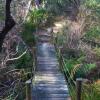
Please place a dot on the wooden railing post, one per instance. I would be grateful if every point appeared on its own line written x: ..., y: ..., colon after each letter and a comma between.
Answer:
x: 28, y: 90
x: 35, y: 61
x: 79, y: 88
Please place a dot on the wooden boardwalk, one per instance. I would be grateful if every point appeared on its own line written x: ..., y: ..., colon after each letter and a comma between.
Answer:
x: 49, y: 83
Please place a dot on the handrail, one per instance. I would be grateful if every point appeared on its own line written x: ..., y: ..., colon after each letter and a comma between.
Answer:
x: 79, y: 86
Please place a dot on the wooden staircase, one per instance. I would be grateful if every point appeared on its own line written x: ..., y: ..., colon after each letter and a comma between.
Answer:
x: 49, y: 82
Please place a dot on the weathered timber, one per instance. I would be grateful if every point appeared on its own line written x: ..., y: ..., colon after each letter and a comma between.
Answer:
x: 50, y: 83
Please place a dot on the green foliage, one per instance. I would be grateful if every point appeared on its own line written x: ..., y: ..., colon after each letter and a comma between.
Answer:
x: 82, y: 71
x: 24, y: 62
x: 27, y: 33
x: 2, y: 18
x: 97, y: 51
x: 94, y: 27
x: 93, y: 33
x: 92, y: 3
x: 34, y: 20
x: 76, y: 68
x: 90, y: 92
x: 70, y: 64
x: 2, y: 9
x: 37, y: 16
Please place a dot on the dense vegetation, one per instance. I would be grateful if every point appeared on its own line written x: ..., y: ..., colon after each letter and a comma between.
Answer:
x: 76, y: 32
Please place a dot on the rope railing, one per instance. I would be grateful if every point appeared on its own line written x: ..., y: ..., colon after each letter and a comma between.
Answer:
x: 62, y: 63
x: 77, y: 88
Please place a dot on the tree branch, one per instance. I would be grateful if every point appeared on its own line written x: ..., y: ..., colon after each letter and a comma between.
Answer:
x: 12, y: 59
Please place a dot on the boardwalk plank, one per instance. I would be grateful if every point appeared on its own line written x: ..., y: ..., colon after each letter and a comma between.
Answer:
x: 50, y: 83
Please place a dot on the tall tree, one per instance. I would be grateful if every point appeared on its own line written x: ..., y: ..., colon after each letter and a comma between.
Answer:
x: 9, y: 23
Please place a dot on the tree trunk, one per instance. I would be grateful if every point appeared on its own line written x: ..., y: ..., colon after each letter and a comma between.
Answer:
x: 9, y: 23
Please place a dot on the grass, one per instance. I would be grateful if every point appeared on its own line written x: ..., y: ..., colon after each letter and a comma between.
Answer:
x: 89, y: 92
x: 93, y: 33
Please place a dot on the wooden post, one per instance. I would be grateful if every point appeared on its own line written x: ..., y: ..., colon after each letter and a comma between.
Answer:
x: 28, y: 90
x: 34, y: 62
x: 79, y: 88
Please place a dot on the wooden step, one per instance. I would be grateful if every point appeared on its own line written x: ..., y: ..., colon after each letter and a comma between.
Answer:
x: 44, y: 35
x: 43, y: 95
x: 51, y: 85
x: 50, y: 80
x: 40, y: 90
x: 47, y: 77
x: 47, y: 69
x: 47, y: 64
x: 46, y: 58
x: 49, y: 73
x: 51, y: 98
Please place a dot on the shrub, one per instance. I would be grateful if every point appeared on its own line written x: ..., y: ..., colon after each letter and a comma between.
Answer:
x: 38, y: 16
x: 27, y: 33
